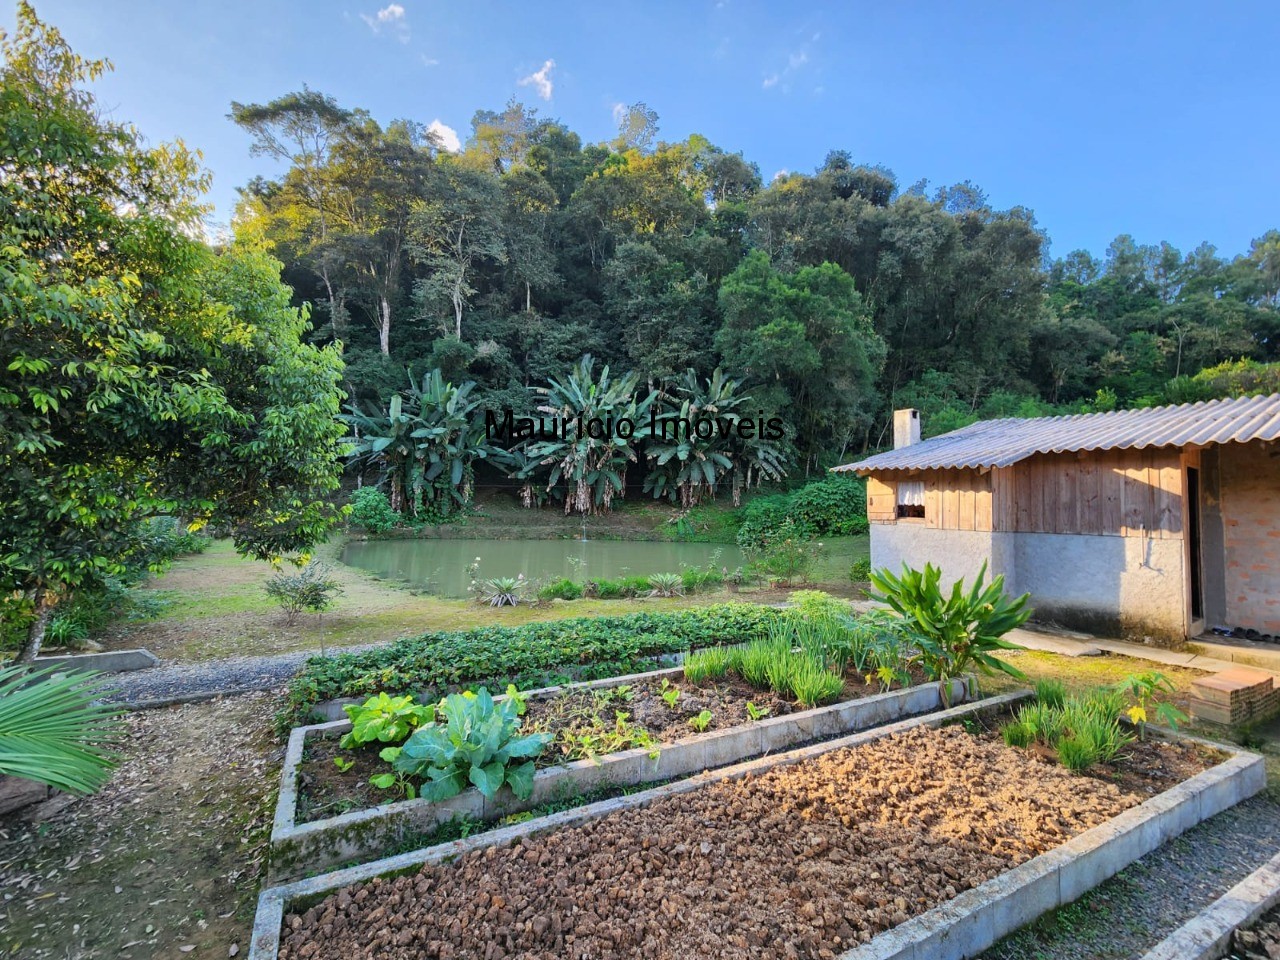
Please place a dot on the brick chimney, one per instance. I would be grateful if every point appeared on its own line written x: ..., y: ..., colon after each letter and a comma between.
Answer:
x: 906, y: 428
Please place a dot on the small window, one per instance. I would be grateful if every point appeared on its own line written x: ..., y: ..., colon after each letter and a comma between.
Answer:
x: 911, y: 499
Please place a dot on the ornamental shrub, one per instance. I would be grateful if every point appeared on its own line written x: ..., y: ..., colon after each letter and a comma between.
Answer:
x: 371, y: 510
x: 530, y: 655
x: 834, y: 506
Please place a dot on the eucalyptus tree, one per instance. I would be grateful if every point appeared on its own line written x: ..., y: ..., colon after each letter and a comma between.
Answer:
x: 303, y: 130
x: 705, y: 433
x: 453, y: 232
x: 600, y: 421
x: 425, y: 443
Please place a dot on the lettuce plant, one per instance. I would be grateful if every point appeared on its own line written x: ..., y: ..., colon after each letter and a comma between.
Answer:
x: 385, y: 719
x: 476, y: 742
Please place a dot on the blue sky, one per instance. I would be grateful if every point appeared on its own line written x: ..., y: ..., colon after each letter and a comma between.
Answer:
x: 1156, y: 119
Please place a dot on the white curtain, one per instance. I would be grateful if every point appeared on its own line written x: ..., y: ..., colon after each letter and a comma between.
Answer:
x: 911, y: 493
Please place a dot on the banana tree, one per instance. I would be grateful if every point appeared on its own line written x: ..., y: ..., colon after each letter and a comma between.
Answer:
x: 603, y: 420
x: 699, y: 441
x: 425, y: 442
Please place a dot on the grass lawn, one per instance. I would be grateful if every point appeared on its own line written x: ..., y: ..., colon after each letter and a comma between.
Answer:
x: 215, y: 607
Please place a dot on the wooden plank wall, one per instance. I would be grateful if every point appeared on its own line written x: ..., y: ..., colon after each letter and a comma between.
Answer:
x: 957, y: 500
x: 1125, y: 493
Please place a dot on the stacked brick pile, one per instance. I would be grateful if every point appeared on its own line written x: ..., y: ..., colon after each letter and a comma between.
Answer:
x: 1234, y: 696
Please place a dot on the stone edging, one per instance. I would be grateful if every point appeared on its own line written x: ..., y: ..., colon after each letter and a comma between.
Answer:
x: 1207, y: 935
x: 960, y: 927
x: 324, y: 844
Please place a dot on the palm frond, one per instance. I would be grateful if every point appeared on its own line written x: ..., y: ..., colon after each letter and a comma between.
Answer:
x: 53, y: 731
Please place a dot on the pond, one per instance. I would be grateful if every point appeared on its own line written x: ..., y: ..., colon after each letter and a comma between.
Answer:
x: 440, y: 566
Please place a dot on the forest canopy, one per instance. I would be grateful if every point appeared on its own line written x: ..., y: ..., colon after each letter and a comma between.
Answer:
x: 833, y: 297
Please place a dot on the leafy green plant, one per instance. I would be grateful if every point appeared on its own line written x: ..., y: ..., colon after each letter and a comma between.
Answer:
x: 503, y: 591
x: 562, y: 589
x: 309, y: 588
x: 54, y: 730
x: 521, y: 700
x: 371, y: 510
x: 666, y: 585
x: 66, y: 630
x: 957, y: 631
x: 343, y: 764
x: 1143, y: 688
x: 385, y: 719
x: 1017, y: 734
x: 788, y: 554
x: 757, y: 713
x: 425, y: 441
x: 401, y: 783
x: 478, y: 742
x: 860, y: 570
x: 701, y: 721
x: 670, y: 694
x: 817, y: 605
x: 711, y: 663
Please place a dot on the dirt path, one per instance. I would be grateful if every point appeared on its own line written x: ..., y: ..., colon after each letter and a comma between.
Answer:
x: 167, y: 857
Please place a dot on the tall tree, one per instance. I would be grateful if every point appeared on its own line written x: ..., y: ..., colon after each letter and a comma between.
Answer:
x: 144, y: 374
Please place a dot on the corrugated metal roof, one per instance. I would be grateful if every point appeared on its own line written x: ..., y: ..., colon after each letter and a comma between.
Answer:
x: 998, y: 443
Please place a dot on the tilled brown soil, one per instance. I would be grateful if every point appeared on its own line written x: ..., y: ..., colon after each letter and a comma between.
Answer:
x: 327, y: 791
x: 1259, y: 942
x: 801, y: 861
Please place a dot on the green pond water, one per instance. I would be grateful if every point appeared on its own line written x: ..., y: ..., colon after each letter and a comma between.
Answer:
x: 440, y: 566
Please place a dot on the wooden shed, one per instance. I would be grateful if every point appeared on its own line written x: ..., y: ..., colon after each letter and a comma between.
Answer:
x: 1152, y: 524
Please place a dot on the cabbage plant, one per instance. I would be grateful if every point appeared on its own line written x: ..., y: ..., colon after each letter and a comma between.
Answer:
x: 476, y: 741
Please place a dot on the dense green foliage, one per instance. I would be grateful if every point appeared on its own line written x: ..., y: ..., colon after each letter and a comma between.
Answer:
x: 529, y: 655
x: 384, y: 719
x: 55, y: 730
x: 371, y: 510
x: 144, y: 373
x: 832, y: 297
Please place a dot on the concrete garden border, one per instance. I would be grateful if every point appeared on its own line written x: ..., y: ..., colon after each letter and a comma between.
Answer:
x: 959, y: 928
x: 324, y: 844
x: 1207, y: 935
x: 110, y: 661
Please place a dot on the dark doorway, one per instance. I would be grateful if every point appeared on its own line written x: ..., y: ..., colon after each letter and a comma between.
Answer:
x: 1193, y: 542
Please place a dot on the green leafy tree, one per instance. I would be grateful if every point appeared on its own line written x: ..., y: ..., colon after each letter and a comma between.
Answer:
x: 143, y: 374
x: 806, y: 340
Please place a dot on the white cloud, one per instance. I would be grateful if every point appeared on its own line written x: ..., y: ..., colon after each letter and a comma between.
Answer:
x: 797, y: 60
x: 619, y: 112
x: 390, y: 18
x: 429, y: 61
x: 540, y: 80
x: 782, y: 174
x: 446, y: 135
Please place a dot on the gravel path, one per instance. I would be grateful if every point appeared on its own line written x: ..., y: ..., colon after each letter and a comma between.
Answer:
x: 171, y: 682
x: 1140, y: 906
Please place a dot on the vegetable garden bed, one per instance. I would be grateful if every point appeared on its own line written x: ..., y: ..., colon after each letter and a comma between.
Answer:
x: 367, y: 825
x: 900, y: 842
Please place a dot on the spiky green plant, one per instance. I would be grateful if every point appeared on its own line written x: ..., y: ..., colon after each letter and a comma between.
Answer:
x: 957, y: 631
x: 666, y: 585
x: 1051, y: 692
x: 54, y: 730
x: 710, y: 663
